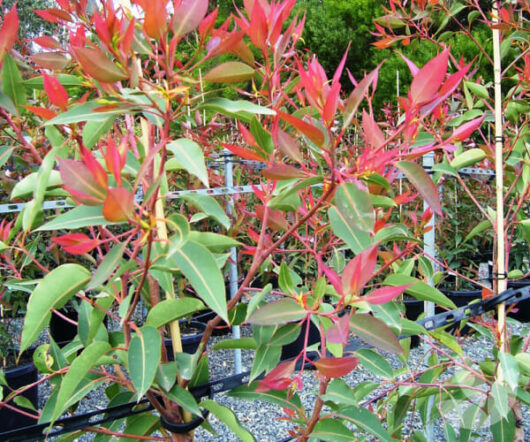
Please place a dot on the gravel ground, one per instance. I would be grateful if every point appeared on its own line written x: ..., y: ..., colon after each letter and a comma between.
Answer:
x: 264, y: 419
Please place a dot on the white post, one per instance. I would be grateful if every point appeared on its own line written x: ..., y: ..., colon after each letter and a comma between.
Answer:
x: 236, y: 331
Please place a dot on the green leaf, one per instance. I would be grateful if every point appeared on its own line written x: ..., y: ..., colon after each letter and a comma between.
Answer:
x: 375, y: 363
x: 262, y: 136
x: 53, y: 291
x: 166, y: 375
x: 355, y: 239
x: 331, y: 430
x: 339, y: 392
x: 500, y: 396
x: 184, y: 398
x: 355, y: 206
x: 199, y: 267
x: 477, y: 90
x: 76, y: 373
x: 420, y: 290
x: 23, y: 401
x: 375, y: 332
x: 282, y: 398
x: 278, y: 313
x: 362, y: 418
x: 30, y: 183
x: 467, y: 158
x: 171, y: 310
x: 502, y: 429
x: 95, y: 130
x: 140, y: 425
x: 423, y: 184
x: 243, y: 343
x: 107, y: 266
x: 265, y: 359
x: 143, y: 358
x: 84, y: 112
x: 66, y: 80
x: 229, y: 72
x: 189, y: 156
x: 214, y: 242
x: 81, y: 216
x: 479, y: 228
x: 243, y: 110
x: 7, y: 104
x: 181, y: 229
x: 510, y: 369
x: 210, y: 206
x: 12, y: 83
x: 226, y: 416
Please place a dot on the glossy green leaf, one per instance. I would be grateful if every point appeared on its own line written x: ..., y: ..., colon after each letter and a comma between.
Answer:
x: 339, y: 392
x: 81, y: 216
x: 107, y: 266
x: 12, y: 84
x: 227, y: 417
x: 78, y: 370
x: 375, y: 332
x: 66, y: 80
x: 214, y: 242
x: 181, y: 230
x: 95, y: 130
x: 229, y: 72
x: 172, y: 309
x: 184, y: 398
x: 355, y: 206
x: 243, y: 110
x: 30, y: 183
x: 355, y: 239
x: 420, y: 290
x: 500, y: 396
x: 199, y: 267
x: 140, y: 425
x: 7, y: 104
x: 84, y: 112
x: 282, y: 398
x: 53, y: 291
x: 210, y: 207
x: 375, y: 363
x: 278, y: 313
x: 502, y: 429
x: 166, y: 375
x: 262, y: 136
x: 265, y: 359
x: 467, y: 158
x: 367, y: 421
x: 228, y: 344
x: 24, y: 402
x: 143, y: 358
x: 189, y: 157
x: 479, y: 228
x: 422, y: 183
x: 331, y: 430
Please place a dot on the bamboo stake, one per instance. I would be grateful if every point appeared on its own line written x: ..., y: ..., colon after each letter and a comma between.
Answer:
x: 499, y: 176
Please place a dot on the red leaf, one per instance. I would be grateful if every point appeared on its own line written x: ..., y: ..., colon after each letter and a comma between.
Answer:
x: 359, y: 270
x: 229, y: 72
x: 47, y: 42
x: 207, y: 24
x: 429, y: 78
x: 8, y: 32
x: 246, y: 154
x: 44, y: 113
x: 55, y: 91
x: 189, y: 15
x: 423, y: 184
x: 76, y: 243
x: 115, y: 158
x: 464, y: 131
x: 336, y: 367
x: 372, y: 133
x: 155, y: 13
x: 282, y: 172
x: 310, y: 131
x: 353, y: 101
x: 53, y: 15
x: 78, y: 180
x: 95, y: 168
x: 288, y: 146
x: 275, y: 220
x: 375, y: 332
x: 50, y: 60
x: 384, y: 294
x: 338, y: 332
x: 119, y: 205
x: 96, y: 64
x: 278, y: 379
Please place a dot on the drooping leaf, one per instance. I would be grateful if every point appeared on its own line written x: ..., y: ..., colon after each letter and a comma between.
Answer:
x: 464, y: 131
x: 143, y: 358
x: 199, y: 267
x: 229, y: 344
x: 375, y: 332
x: 355, y: 206
x: 227, y: 417
x: 76, y: 373
x: 423, y: 184
x: 278, y: 313
x: 53, y: 291
x: 172, y: 309
x: 230, y: 72
x: 190, y: 157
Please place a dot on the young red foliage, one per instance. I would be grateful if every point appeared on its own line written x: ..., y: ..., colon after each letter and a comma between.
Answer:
x: 118, y: 205
x: 278, y: 379
x: 359, y: 271
x: 336, y: 367
x: 8, y: 32
x: 55, y: 91
x: 76, y: 243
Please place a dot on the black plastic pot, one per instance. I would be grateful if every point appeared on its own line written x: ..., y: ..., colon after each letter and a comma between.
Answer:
x: 16, y: 378
x: 63, y: 331
x: 523, y: 308
x: 413, y: 309
x: 190, y: 343
x: 292, y: 350
x: 205, y: 316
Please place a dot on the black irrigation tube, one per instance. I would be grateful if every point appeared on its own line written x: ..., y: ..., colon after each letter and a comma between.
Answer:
x: 82, y: 421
